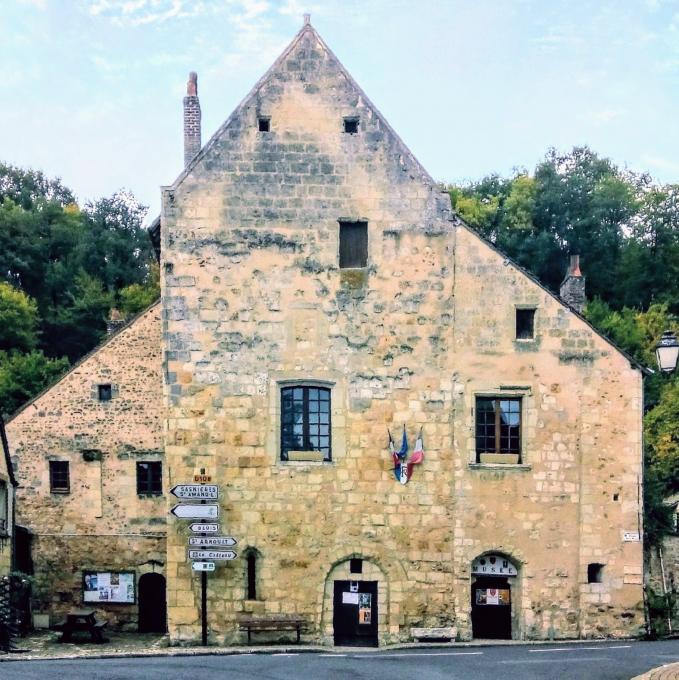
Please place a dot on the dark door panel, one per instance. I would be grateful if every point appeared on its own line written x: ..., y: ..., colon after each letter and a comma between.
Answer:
x: 355, y: 613
x: 491, y: 609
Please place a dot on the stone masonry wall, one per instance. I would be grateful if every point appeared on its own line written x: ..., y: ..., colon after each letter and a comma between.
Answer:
x: 253, y: 299
x: 577, y: 489
x: 102, y: 523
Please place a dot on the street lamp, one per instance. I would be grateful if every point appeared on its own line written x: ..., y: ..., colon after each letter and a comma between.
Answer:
x: 667, y: 351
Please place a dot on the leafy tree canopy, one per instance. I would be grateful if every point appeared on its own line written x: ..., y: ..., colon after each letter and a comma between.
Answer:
x: 18, y: 319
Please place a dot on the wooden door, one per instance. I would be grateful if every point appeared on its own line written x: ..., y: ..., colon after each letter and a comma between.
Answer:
x: 355, y: 613
x: 152, y: 604
x: 491, y: 609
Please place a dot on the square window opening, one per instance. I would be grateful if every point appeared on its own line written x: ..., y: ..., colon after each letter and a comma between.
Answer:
x: 353, y: 245
x: 306, y: 421
x: 525, y: 324
x: 355, y: 566
x: 498, y: 429
x: 264, y: 124
x: 105, y: 392
x: 351, y: 126
x: 59, y: 476
x: 595, y: 573
x: 150, y: 478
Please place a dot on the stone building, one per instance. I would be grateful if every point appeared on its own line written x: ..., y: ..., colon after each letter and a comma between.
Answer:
x: 317, y: 293
x: 89, y: 455
x: 319, y: 296
x: 7, y: 486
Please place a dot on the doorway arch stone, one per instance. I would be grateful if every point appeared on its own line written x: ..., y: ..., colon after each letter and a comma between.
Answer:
x: 391, y: 578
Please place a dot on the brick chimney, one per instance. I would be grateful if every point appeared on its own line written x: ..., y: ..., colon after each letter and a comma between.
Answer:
x: 572, y: 289
x: 191, y: 119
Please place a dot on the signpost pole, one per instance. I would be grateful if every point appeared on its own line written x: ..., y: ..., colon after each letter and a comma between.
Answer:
x: 203, y: 600
x: 203, y: 606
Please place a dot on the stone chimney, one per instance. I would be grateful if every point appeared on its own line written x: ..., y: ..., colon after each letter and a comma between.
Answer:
x: 572, y: 289
x: 191, y: 119
x: 115, y: 322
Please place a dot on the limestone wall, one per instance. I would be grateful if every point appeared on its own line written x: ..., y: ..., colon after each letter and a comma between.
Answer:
x: 253, y: 300
x: 102, y: 522
x: 576, y: 491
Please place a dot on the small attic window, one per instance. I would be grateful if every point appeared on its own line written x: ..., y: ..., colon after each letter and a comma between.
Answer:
x: 525, y: 324
x: 264, y: 124
x: 351, y: 126
x: 353, y: 245
x: 105, y: 392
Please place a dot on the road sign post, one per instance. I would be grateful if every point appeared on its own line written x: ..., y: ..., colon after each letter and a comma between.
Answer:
x: 204, y: 528
x: 195, y: 511
x: 196, y: 492
x: 203, y: 549
x: 203, y: 566
x: 212, y: 541
x: 212, y: 555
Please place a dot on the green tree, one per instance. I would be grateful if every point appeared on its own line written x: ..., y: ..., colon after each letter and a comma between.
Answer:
x: 22, y: 376
x: 138, y: 296
x: 18, y: 319
x: 79, y: 323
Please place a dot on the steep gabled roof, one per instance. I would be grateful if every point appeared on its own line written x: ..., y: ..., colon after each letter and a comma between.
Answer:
x: 633, y: 362
x: 84, y: 358
x: 307, y: 29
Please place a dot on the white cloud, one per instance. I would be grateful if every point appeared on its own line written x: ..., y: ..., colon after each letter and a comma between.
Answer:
x: 606, y: 115
x: 660, y: 163
x: 38, y: 4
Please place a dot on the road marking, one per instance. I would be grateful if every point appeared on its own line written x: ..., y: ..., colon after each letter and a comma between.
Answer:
x: 575, y: 649
x: 568, y: 660
x: 285, y: 654
x: 406, y: 654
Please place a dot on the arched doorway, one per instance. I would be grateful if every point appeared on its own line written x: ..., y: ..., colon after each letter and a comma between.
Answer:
x: 493, y: 577
x: 152, y: 604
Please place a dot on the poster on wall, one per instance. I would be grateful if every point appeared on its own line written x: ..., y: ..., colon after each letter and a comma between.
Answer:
x: 105, y: 586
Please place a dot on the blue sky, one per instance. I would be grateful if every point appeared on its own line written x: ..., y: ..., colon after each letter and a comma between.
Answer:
x: 92, y: 89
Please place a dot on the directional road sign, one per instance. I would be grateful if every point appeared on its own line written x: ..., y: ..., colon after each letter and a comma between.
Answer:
x: 204, y: 528
x: 194, y: 511
x: 193, y: 492
x: 212, y: 555
x: 203, y: 566
x: 213, y: 541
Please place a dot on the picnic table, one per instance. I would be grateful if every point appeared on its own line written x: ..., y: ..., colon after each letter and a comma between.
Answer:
x: 81, y: 620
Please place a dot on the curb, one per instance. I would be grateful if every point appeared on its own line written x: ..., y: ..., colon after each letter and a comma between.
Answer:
x: 25, y: 655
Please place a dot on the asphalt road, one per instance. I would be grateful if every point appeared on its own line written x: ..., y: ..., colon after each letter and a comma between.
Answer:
x: 588, y: 661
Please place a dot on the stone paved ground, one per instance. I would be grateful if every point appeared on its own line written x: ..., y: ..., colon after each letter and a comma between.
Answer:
x: 668, y: 672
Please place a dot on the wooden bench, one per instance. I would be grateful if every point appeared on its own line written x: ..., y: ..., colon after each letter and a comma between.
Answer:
x: 272, y: 623
x: 81, y: 620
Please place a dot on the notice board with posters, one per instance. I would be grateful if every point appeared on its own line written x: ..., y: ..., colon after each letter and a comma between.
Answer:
x: 109, y: 586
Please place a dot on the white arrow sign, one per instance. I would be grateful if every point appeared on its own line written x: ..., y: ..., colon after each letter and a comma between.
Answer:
x: 196, y: 491
x: 203, y: 566
x: 212, y: 555
x: 212, y: 541
x: 192, y: 511
x: 204, y: 528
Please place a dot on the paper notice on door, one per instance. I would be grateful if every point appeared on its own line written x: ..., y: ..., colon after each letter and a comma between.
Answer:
x: 349, y: 598
x: 364, y: 616
x: 492, y: 596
